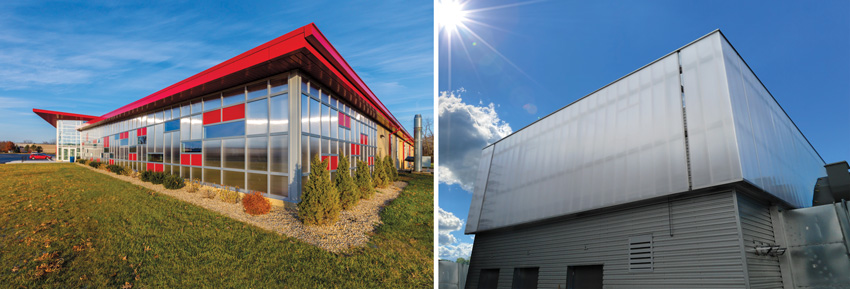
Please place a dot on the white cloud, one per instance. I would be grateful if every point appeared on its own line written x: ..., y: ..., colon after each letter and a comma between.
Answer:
x: 452, y: 252
x: 464, y: 130
x: 448, y: 224
x: 450, y: 248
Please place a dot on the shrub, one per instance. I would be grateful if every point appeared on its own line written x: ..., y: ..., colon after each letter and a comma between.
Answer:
x: 102, y: 166
x: 208, y: 192
x: 348, y: 194
x: 94, y: 164
x: 145, y: 176
x: 158, y: 177
x: 116, y: 169
x: 173, y: 182
x: 255, y: 204
x: 319, y: 199
x: 81, y: 161
x: 379, y: 177
x: 229, y: 196
x: 128, y: 171
x: 193, y: 186
x: 363, y: 180
x: 392, y: 171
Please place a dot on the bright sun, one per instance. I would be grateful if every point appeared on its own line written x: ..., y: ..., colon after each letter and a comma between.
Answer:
x: 450, y: 14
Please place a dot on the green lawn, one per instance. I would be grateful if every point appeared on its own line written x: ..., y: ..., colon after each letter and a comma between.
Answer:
x: 62, y: 225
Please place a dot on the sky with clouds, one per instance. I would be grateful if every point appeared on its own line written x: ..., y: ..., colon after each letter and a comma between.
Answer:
x: 522, y: 60
x: 92, y: 57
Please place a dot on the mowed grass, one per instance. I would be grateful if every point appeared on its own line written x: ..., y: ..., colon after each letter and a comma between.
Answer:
x: 62, y: 225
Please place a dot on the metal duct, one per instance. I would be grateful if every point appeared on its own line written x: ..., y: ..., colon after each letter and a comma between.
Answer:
x: 417, y: 136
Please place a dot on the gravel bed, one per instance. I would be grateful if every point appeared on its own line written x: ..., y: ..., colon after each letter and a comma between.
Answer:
x: 352, y: 230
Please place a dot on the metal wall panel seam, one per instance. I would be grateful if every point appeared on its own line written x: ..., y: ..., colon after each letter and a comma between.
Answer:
x: 684, y: 122
x: 741, y: 239
x: 843, y: 223
x: 484, y: 191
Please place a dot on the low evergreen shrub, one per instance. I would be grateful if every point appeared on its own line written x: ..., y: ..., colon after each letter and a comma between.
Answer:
x: 348, y: 192
x: 145, y: 176
x: 157, y: 178
x: 94, y: 164
x: 319, y: 199
x: 255, y: 204
x: 363, y: 180
x: 173, y: 182
x: 116, y: 169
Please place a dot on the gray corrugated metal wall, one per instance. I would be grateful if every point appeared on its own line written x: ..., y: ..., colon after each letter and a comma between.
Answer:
x: 756, y: 228
x: 704, y: 251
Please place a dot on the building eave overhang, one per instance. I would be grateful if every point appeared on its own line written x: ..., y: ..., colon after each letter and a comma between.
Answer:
x: 304, y: 49
x: 51, y: 116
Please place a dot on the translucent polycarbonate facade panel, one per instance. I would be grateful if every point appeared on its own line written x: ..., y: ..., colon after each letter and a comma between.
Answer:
x: 622, y: 143
x: 478, y: 193
x: 714, y: 156
x: 775, y: 155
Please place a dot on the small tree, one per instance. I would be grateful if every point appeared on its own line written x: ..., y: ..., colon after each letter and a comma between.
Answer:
x: 380, y: 176
x: 348, y: 194
x: 363, y: 180
x: 39, y: 149
x: 392, y: 171
x: 27, y: 148
x: 319, y: 199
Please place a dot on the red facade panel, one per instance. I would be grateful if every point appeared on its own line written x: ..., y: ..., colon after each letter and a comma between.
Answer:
x: 197, y: 160
x: 233, y: 112
x: 185, y: 160
x: 159, y: 168
x: 212, y: 117
x: 334, y: 162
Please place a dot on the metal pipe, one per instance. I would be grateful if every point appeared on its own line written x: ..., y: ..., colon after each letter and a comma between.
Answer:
x: 417, y: 136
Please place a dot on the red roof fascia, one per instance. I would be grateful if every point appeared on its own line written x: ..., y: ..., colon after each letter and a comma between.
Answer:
x: 318, y: 40
x: 52, y: 116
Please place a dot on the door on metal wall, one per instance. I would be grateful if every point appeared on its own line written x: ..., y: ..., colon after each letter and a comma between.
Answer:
x: 584, y: 277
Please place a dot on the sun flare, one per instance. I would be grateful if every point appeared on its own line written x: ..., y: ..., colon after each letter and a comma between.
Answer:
x: 450, y: 14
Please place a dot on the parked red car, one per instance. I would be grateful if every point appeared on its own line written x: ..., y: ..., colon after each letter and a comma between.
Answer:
x: 40, y: 156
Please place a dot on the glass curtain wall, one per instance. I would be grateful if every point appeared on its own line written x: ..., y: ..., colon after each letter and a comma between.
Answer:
x: 67, y: 139
x: 240, y: 137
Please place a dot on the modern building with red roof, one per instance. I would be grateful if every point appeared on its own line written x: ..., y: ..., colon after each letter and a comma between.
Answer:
x: 253, y: 121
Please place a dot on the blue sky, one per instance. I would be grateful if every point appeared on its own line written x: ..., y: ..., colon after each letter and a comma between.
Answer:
x: 534, y: 58
x: 91, y: 57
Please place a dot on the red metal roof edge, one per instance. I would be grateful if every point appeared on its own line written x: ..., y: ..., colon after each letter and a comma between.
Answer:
x: 50, y: 116
x: 320, y: 42
x: 312, y: 38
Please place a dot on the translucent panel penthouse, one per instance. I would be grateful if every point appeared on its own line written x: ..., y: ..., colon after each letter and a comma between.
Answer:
x: 668, y: 177
x: 252, y: 122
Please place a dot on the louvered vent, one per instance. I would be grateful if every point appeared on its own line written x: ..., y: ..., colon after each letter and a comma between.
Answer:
x: 640, y: 254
